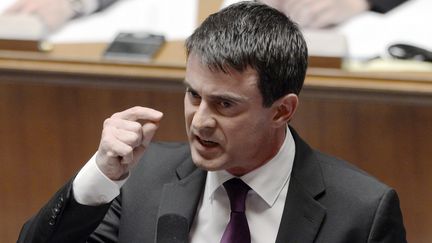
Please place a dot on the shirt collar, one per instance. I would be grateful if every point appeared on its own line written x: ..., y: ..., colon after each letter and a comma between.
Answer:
x: 268, y: 180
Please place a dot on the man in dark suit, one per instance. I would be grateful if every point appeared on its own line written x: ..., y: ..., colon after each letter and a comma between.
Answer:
x: 244, y: 174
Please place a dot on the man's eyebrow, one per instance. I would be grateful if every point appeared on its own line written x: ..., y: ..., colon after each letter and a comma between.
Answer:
x: 226, y: 96
x: 188, y: 86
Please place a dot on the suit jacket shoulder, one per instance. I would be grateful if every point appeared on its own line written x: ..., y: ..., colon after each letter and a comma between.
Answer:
x: 330, y: 200
x: 353, y: 197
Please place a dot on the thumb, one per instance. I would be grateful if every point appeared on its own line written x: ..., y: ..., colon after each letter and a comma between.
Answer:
x: 138, y: 153
x: 148, y: 131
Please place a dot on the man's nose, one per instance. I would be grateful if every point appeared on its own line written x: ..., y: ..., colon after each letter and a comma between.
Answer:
x: 203, y: 120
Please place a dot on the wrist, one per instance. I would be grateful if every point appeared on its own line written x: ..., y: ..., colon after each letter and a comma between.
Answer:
x: 92, y: 187
x: 110, y: 167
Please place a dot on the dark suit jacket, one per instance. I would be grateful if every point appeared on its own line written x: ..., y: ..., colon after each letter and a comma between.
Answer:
x: 102, y: 4
x: 383, y: 6
x: 328, y: 200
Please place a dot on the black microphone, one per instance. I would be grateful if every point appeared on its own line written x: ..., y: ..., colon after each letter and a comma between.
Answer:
x: 172, y: 228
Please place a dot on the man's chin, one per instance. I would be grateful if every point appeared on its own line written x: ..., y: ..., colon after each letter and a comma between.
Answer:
x: 204, y: 163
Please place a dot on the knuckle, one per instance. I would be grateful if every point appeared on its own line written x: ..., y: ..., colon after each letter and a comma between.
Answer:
x: 115, y: 115
x: 107, y: 133
x: 110, y: 154
x: 108, y: 122
x: 134, y: 137
x: 126, y: 151
x: 106, y: 144
x: 136, y: 126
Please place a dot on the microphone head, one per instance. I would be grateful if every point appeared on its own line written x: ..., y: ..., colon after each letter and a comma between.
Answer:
x: 172, y: 228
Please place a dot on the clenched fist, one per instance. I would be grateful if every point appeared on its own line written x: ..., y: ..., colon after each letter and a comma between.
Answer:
x: 124, y: 140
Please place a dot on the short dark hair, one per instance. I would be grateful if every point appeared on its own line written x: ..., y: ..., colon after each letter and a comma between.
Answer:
x: 251, y: 34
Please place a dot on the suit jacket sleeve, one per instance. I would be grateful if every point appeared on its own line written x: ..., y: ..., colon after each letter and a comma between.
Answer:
x: 387, y: 225
x: 64, y: 220
x: 383, y: 6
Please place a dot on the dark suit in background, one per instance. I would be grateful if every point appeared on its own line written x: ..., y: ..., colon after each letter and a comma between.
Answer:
x: 102, y: 4
x: 383, y: 6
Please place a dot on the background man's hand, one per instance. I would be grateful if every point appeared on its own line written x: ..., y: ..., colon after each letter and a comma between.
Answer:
x: 319, y: 13
x: 53, y: 13
x: 124, y: 140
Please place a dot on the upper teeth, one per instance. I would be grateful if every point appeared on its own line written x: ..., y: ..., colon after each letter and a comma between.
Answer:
x: 206, y: 141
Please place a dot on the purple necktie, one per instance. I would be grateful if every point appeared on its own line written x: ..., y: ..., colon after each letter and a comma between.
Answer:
x: 237, y: 230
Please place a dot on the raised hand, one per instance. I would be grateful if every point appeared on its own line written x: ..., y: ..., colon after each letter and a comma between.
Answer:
x: 124, y: 140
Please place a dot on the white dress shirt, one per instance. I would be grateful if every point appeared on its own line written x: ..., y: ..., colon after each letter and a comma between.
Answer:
x: 264, y: 203
x: 92, y: 187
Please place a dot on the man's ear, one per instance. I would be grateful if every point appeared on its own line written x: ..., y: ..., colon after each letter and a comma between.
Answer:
x: 284, y: 109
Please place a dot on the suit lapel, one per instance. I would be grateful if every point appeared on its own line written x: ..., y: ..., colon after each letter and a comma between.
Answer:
x: 182, y: 197
x: 303, y: 214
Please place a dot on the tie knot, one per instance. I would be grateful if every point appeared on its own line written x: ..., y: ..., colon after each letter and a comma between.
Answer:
x: 237, y: 191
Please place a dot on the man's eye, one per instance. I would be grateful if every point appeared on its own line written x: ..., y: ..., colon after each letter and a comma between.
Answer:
x: 193, y: 94
x: 225, y: 104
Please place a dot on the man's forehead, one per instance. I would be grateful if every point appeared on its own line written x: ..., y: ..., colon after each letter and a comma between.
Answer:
x: 194, y: 59
x: 221, y: 79
x: 195, y: 63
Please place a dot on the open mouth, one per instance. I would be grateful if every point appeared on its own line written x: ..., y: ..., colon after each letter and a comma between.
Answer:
x: 206, y: 143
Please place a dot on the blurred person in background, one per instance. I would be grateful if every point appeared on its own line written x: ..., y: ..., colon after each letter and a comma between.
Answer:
x: 318, y: 14
x: 55, y: 13
x: 307, y: 13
